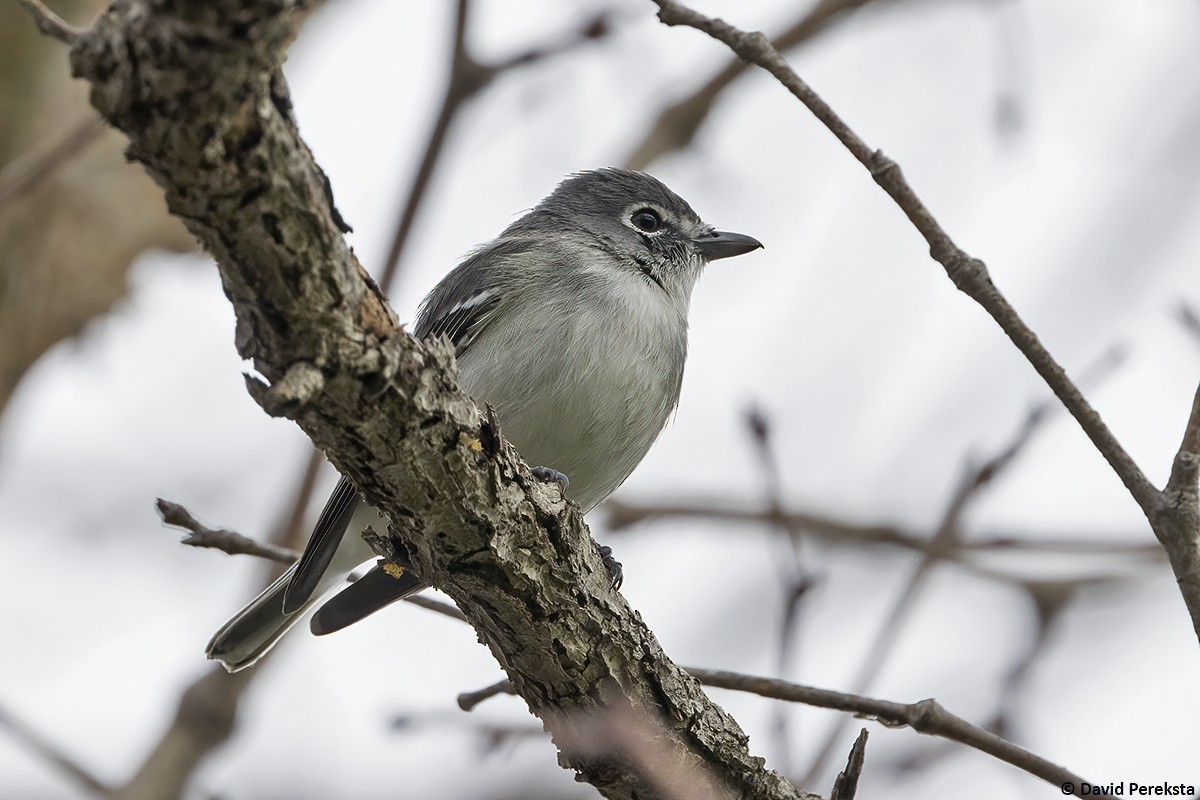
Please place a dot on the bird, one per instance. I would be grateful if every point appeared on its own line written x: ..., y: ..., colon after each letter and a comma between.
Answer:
x: 572, y: 325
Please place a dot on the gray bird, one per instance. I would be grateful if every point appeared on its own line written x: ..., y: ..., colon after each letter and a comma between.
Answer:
x: 572, y: 324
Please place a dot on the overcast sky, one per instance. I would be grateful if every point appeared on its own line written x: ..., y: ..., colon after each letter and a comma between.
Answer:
x: 1058, y: 140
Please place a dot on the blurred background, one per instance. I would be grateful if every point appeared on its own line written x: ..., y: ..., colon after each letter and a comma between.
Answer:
x: 843, y: 408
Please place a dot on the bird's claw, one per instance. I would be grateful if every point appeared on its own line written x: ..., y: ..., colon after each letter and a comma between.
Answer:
x: 551, y: 475
x: 615, y: 571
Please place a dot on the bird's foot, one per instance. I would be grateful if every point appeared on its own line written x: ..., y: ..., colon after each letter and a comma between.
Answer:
x: 551, y: 475
x: 615, y: 571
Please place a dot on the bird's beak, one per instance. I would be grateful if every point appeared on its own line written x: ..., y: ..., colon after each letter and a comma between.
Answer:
x: 723, y: 244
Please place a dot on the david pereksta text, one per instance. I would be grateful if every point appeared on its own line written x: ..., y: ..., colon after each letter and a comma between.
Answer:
x: 1130, y: 789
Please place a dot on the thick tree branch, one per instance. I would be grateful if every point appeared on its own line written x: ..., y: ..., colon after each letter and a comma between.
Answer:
x: 198, y: 89
x: 1174, y: 516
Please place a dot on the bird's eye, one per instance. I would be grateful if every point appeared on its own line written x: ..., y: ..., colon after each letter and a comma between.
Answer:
x: 646, y: 219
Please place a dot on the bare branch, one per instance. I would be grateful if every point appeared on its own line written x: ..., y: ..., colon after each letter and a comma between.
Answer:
x: 1190, y: 320
x: 677, y: 124
x: 926, y: 716
x: 943, y: 545
x: 968, y: 274
x: 27, y: 171
x: 845, y: 787
x: 234, y: 543
x: 1186, y: 467
x: 1175, y: 519
x: 798, y: 579
x: 624, y: 514
x: 226, y: 541
x: 468, y: 700
x: 50, y: 23
x: 468, y: 77
x: 436, y: 606
x: 54, y: 755
x: 333, y: 358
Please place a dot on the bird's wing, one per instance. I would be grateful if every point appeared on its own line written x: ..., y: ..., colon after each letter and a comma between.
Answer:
x: 460, y: 307
x: 465, y: 302
x: 326, y: 536
x: 464, y: 320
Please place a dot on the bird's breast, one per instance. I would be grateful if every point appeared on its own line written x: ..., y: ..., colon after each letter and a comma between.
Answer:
x: 584, y: 393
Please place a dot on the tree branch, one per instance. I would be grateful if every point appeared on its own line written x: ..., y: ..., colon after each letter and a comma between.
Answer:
x: 227, y: 541
x: 1174, y: 518
x: 677, y: 124
x: 199, y: 91
x: 235, y: 544
x: 54, y: 755
x: 468, y: 77
x: 50, y: 23
x: 24, y: 172
x: 845, y: 787
x: 926, y: 716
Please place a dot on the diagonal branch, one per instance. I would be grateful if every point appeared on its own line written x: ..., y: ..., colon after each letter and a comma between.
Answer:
x: 50, y: 23
x: 54, y: 755
x: 1175, y: 515
x: 677, y: 124
x: 199, y: 91
x: 925, y: 716
x: 468, y: 77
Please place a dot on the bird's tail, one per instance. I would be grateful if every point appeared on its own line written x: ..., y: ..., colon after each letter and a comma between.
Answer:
x: 255, y: 629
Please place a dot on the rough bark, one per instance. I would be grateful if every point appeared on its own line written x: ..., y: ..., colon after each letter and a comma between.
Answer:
x: 198, y: 89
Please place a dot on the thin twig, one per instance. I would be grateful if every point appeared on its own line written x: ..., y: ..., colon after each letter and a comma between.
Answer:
x: 234, y: 543
x: 1187, y: 459
x: 677, y: 124
x: 623, y: 514
x: 28, y: 170
x: 227, y: 541
x: 468, y: 77
x: 468, y: 700
x: 845, y: 786
x: 206, y: 712
x: 1190, y: 320
x: 437, y: 606
x: 943, y: 545
x: 969, y: 274
x: 797, y: 578
x: 926, y: 716
x: 50, y: 23
x: 53, y: 754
